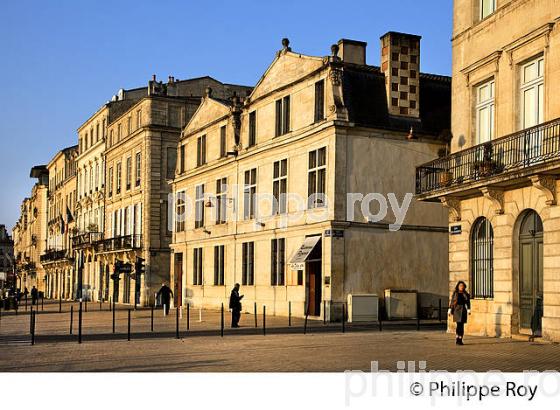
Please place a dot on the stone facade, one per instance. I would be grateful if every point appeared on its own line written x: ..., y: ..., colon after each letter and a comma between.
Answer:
x: 501, y: 173
x: 319, y: 126
x: 7, y: 263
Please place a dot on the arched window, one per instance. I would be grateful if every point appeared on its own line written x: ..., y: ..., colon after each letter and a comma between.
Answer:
x: 482, y: 259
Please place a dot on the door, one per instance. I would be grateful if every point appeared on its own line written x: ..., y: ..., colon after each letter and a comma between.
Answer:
x: 178, y: 285
x: 531, y: 273
x: 314, y: 266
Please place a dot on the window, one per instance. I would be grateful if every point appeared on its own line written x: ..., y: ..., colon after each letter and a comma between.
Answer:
x: 319, y: 100
x: 96, y: 132
x: 223, y: 142
x: 180, y: 212
x: 316, y: 178
x: 250, y: 193
x: 119, y: 177
x: 110, y: 181
x: 252, y: 129
x: 182, y: 158
x: 199, y: 207
x: 482, y: 259
x: 96, y: 177
x: 219, y: 265
x: 138, y: 119
x: 279, y: 186
x: 485, y: 112
x: 201, y: 151
x: 119, y: 132
x: 128, y: 125
x: 277, y: 261
x: 138, y: 168
x: 487, y: 7
x: 197, y: 266
x: 128, y: 173
x: 221, y: 188
x: 532, y: 92
x: 282, y: 116
x: 111, y: 138
x: 248, y: 264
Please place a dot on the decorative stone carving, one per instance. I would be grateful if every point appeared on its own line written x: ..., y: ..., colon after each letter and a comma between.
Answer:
x: 547, y: 185
x: 496, y: 196
x: 454, y: 206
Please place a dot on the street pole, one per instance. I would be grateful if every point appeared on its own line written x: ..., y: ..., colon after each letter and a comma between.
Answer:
x: 222, y: 322
x: 71, y: 317
x: 129, y: 310
x: 264, y: 320
x: 152, y: 319
x: 80, y: 324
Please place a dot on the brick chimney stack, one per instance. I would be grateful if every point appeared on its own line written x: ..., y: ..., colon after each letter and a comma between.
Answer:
x: 400, y: 62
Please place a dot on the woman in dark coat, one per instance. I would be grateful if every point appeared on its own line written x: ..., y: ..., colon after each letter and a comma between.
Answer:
x: 460, y: 308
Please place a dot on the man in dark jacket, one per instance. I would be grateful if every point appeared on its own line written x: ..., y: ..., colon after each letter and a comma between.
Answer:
x: 34, y: 295
x: 235, y: 306
x: 166, y: 294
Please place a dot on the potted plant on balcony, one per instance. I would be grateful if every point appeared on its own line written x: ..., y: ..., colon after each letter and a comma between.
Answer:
x: 92, y: 227
x: 487, y: 166
x: 445, y: 175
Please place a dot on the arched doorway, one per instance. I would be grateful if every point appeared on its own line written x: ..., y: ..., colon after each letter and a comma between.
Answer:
x: 530, y: 272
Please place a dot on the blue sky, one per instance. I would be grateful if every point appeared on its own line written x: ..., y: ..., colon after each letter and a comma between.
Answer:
x: 61, y: 60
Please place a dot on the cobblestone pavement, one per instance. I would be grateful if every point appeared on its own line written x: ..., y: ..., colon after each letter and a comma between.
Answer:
x: 283, y: 348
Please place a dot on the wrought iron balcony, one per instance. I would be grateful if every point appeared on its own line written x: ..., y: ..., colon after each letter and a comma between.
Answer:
x: 526, y: 150
x: 87, y: 239
x: 53, y: 255
x: 119, y: 243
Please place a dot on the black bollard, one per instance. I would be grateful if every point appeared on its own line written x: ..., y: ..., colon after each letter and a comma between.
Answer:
x: 80, y: 324
x: 255, y: 309
x: 324, y: 312
x: 110, y: 305
x: 188, y: 316
x: 177, y: 322
x: 152, y: 319
x: 43, y: 302
x: 26, y: 303
x: 222, y: 322
x: 289, y: 313
x: 264, y: 320
x: 71, y: 318
x: 60, y: 304
x: 114, y: 317
x: 343, y: 317
x: 128, y: 331
x: 32, y: 328
x: 439, y: 310
x: 100, y: 304
x: 305, y: 323
x: 31, y: 320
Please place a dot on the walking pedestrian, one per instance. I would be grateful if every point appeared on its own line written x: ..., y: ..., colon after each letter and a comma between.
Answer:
x: 460, y: 308
x: 34, y: 295
x: 235, y: 305
x: 165, y: 293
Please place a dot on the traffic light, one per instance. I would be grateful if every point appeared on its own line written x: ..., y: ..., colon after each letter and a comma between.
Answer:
x: 139, y: 267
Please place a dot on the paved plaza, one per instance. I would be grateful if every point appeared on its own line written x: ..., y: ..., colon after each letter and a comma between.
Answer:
x: 284, y: 348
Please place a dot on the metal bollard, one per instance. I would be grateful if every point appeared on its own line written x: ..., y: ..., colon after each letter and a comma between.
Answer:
x: 222, y: 322
x: 439, y: 310
x: 110, y: 304
x: 177, y: 322
x: 290, y: 313
x: 31, y: 320
x: 60, y: 304
x: 152, y: 319
x: 255, y: 310
x: 43, y: 303
x: 26, y: 303
x: 264, y: 320
x: 343, y: 317
x: 188, y: 316
x: 100, y: 305
x: 324, y: 312
x: 71, y: 318
x: 114, y: 313
x: 32, y: 328
x: 128, y: 331
x: 80, y: 324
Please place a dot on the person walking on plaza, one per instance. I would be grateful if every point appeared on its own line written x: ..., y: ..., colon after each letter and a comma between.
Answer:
x: 235, y: 306
x: 34, y: 295
x: 165, y: 293
x: 460, y: 308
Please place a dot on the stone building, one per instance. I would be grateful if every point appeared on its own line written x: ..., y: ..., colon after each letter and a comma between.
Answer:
x: 58, y: 259
x: 140, y: 158
x: 262, y: 184
x: 500, y: 180
x: 30, y: 233
x: 7, y: 276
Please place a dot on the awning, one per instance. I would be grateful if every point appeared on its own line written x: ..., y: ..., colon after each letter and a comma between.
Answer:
x: 298, y: 260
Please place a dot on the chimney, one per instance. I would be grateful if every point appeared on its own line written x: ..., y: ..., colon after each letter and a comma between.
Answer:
x: 400, y: 62
x: 352, y: 51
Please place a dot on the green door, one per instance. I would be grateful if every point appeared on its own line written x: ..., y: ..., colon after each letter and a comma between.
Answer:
x: 531, y: 273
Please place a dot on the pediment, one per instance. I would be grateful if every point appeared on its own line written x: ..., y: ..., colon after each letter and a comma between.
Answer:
x: 207, y: 112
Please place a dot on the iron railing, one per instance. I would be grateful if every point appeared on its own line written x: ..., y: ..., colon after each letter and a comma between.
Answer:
x: 86, y: 239
x: 120, y: 243
x: 52, y: 255
x: 520, y: 150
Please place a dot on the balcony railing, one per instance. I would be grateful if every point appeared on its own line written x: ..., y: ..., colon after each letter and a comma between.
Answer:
x: 518, y: 151
x: 86, y: 239
x: 120, y: 243
x: 53, y: 255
